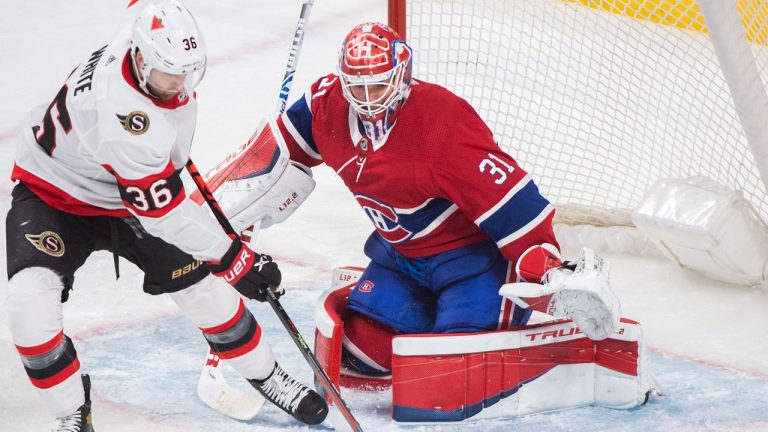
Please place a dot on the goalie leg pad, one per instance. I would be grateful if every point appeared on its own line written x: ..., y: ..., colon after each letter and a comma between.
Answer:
x: 330, y: 328
x: 367, y: 345
x: 440, y: 378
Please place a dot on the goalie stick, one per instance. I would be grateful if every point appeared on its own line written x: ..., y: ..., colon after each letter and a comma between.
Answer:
x: 322, y: 377
x: 212, y: 387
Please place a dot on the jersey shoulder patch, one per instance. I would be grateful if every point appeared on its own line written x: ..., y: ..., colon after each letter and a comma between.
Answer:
x: 124, y: 116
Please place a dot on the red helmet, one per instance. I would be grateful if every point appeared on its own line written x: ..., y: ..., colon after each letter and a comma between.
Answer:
x: 375, y: 70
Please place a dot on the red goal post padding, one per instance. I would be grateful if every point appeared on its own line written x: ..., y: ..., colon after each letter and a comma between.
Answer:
x: 396, y: 16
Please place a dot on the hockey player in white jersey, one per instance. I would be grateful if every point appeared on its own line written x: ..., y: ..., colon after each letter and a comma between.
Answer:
x: 98, y: 168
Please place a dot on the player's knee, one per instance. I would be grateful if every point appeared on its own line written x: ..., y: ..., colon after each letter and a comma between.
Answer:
x: 33, y: 304
x: 207, y: 303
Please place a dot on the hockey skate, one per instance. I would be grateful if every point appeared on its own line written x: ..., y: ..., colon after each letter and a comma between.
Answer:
x: 80, y: 420
x: 291, y: 396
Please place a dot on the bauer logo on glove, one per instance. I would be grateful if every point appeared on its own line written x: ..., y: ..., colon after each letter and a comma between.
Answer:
x: 251, y: 274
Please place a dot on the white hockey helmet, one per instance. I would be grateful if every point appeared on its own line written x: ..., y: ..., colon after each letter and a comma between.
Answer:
x: 167, y: 36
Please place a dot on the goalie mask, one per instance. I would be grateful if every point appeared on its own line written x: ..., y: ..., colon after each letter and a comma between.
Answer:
x: 172, y: 48
x: 375, y: 70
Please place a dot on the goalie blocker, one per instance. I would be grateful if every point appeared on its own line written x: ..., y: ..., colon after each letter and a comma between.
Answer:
x: 257, y: 185
x: 453, y: 377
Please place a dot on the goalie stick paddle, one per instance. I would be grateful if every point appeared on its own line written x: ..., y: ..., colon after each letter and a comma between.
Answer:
x: 212, y: 387
x: 278, y: 308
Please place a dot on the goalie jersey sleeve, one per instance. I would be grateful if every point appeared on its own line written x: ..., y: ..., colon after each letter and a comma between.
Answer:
x: 297, y: 122
x: 491, y: 189
x: 436, y: 182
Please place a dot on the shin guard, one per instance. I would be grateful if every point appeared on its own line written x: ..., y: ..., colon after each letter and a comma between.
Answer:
x: 48, y: 355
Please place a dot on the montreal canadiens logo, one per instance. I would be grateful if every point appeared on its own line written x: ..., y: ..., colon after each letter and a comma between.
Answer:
x: 48, y: 242
x: 367, y: 51
x: 365, y: 286
x: 385, y: 219
x: 136, y: 122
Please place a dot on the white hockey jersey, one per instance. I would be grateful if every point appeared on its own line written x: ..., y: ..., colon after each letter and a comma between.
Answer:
x: 103, y: 147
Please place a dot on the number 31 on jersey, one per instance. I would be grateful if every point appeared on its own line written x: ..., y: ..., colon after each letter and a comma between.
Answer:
x: 491, y: 165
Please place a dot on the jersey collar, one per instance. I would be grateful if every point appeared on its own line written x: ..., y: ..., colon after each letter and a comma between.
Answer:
x: 357, y: 132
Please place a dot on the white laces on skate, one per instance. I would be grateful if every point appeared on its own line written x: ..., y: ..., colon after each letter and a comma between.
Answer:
x: 284, y: 390
x: 70, y: 423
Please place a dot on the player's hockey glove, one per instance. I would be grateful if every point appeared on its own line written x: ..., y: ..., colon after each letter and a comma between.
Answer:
x: 250, y: 273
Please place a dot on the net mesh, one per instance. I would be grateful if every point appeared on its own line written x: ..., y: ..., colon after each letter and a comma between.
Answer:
x: 595, y: 98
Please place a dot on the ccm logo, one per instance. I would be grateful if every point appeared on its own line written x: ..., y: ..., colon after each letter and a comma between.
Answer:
x: 240, y: 266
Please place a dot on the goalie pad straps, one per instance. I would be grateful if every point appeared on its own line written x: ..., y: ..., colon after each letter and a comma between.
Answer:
x: 439, y: 378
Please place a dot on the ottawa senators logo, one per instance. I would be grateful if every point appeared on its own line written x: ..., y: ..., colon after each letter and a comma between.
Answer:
x: 48, y: 242
x: 137, y: 122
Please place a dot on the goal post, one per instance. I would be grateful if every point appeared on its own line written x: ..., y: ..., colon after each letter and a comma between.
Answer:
x: 599, y: 99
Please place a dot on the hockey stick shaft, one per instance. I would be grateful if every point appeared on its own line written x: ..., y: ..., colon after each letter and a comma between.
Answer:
x: 293, y: 57
x: 277, y: 307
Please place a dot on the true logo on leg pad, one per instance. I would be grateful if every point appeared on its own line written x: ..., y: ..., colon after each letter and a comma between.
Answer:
x: 48, y: 242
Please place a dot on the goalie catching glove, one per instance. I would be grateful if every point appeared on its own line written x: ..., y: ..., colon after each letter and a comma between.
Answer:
x: 580, y: 291
x: 250, y: 273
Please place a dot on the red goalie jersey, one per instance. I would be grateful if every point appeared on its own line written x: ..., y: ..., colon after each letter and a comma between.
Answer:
x: 436, y: 181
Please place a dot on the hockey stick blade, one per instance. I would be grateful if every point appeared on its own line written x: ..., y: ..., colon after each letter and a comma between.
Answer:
x: 214, y: 391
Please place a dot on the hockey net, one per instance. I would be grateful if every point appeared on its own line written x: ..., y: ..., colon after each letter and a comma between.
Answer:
x: 598, y: 99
